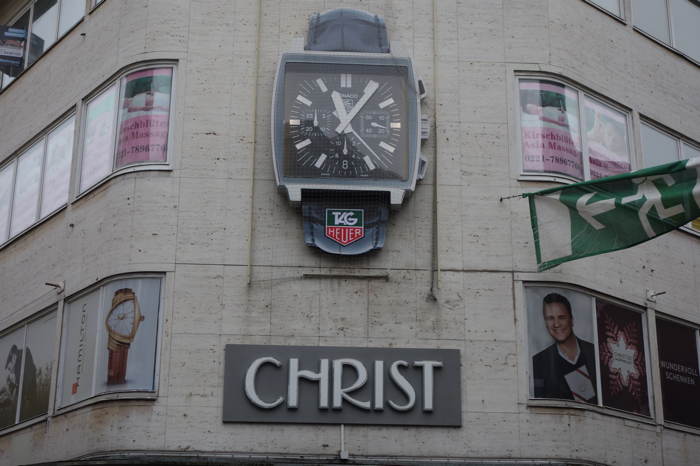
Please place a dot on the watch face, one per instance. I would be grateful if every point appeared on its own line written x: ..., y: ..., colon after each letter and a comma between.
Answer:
x: 346, y: 121
x: 121, y: 318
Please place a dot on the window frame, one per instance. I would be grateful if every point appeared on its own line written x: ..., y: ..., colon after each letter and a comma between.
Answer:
x: 29, y: 7
x: 583, y: 93
x: 23, y: 325
x: 622, y: 17
x: 125, y: 394
x: 649, y: 353
x: 116, y: 79
x: 671, y: 45
x: 40, y: 139
x: 696, y: 329
x: 680, y: 141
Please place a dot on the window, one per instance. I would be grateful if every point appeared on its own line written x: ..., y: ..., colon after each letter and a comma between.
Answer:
x: 659, y: 147
x: 678, y: 366
x: 35, y: 184
x: 587, y: 349
x: 46, y: 21
x: 109, y: 341
x: 127, y: 124
x: 27, y: 356
x: 567, y: 132
x: 673, y: 22
x: 613, y: 6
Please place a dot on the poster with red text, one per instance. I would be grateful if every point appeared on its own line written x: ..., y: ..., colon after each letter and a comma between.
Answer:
x: 551, y: 139
x: 144, y: 116
x: 623, y: 366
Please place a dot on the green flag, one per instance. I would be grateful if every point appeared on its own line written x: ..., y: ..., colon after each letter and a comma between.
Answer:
x: 594, y: 217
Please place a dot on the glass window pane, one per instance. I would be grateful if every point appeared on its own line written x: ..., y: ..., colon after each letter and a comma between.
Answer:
x: 623, y: 365
x: 26, y: 199
x: 561, y: 341
x: 606, y: 138
x: 38, y: 361
x: 44, y: 28
x: 678, y: 367
x: 6, y: 176
x: 551, y: 139
x: 59, y: 153
x: 71, y: 12
x: 686, y: 27
x: 689, y: 151
x: 21, y: 23
x: 11, y: 346
x: 613, y: 6
x: 651, y: 17
x: 144, y: 115
x: 98, y: 143
x: 657, y: 147
x: 130, y: 313
x: 80, y: 328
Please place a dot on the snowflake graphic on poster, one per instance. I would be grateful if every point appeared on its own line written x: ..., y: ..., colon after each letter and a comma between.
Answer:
x: 623, y: 357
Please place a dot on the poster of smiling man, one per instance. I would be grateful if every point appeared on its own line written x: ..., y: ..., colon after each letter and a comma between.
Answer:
x: 560, y: 334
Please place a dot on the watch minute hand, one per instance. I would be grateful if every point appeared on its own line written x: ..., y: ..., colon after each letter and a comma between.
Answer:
x: 370, y: 89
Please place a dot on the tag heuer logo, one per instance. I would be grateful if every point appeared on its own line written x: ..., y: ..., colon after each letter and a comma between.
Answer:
x: 345, y: 226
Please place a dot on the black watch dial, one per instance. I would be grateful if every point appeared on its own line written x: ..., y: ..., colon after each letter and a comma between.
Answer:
x: 346, y: 121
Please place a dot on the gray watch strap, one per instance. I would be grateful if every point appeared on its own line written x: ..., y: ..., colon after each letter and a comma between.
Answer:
x: 347, y: 30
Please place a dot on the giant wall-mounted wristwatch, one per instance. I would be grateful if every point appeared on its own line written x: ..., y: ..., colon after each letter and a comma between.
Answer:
x: 346, y: 130
x: 122, y: 322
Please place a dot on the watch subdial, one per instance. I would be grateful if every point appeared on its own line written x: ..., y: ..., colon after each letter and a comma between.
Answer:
x: 375, y: 123
x: 347, y: 160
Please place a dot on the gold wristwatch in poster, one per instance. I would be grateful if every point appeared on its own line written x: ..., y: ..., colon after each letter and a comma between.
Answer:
x: 122, y: 322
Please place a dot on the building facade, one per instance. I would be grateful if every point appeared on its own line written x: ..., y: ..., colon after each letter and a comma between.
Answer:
x: 141, y: 232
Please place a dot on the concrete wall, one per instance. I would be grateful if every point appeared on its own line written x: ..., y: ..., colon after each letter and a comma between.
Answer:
x: 193, y: 224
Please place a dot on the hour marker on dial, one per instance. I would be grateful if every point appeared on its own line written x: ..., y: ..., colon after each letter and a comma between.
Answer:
x: 304, y: 100
x: 386, y: 103
x: 346, y: 80
x: 322, y: 158
x: 369, y: 163
x: 294, y: 122
x: 303, y: 144
x: 387, y: 147
x: 321, y: 85
x: 395, y: 125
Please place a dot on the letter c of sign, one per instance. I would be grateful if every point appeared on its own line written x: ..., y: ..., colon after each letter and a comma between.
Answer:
x: 250, y: 390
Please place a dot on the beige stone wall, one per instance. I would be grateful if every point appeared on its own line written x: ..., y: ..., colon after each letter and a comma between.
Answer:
x: 193, y: 224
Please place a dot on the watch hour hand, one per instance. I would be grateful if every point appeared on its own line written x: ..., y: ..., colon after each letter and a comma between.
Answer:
x: 370, y: 89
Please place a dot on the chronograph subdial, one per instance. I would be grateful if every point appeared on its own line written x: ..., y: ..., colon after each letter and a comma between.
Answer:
x: 347, y: 160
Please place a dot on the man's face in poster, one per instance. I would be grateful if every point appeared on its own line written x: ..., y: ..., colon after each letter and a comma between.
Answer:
x: 558, y: 320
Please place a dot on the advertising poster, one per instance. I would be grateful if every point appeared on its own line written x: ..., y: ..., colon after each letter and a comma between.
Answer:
x: 550, y: 132
x: 128, y: 330
x: 606, y: 139
x: 560, y: 336
x: 623, y: 370
x: 59, y: 151
x: 79, y: 332
x: 38, y: 361
x: 12, y: 41
x: 111, y: 339
x: 98, y: 145
x: 678, y: 364
x: 144, y: 116
x: 11, y: 359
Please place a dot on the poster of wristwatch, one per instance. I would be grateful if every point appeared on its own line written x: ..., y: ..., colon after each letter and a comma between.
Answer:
x: 111, y: 340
